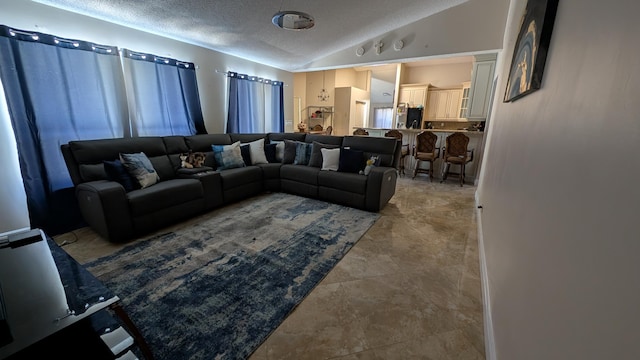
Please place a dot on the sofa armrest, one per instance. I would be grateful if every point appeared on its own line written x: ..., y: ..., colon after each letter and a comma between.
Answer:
x: 105, y: 207
x: 211, y: 184
x: 381, y: 185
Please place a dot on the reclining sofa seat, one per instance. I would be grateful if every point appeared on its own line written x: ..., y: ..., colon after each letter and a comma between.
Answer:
x: 182, y: 193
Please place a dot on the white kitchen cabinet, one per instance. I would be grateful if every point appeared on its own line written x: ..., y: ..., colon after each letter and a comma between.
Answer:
x: 481, y: 87
x: 413, y: 95
x: 444, y: 104
x: 464, y: 101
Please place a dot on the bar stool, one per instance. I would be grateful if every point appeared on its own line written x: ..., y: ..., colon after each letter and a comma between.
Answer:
x: 425, y: 150
x: 456, y: 153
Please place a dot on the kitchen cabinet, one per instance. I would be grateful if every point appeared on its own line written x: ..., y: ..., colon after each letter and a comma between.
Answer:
x: 464, y: 101
x: 413, y: 95
x: 481, y: 87
x: 444, y: 104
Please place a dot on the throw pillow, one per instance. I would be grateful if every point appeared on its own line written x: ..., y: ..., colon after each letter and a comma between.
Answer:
x: 316, y: 155
x: 192, y: 160
x: 117, y: 172
x: 245, y: 151
x: 257, y: 152
x: 228, y: 156
x: 289, y: 154
x: 279, y: 150
x: 270, y: 153
x: 139, y: 167
x: 303, y: 153
x: 330, y: 159
x: 351, y: 161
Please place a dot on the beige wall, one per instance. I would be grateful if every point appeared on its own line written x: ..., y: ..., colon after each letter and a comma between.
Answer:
x: 445, y: 75
x: 560, y: 207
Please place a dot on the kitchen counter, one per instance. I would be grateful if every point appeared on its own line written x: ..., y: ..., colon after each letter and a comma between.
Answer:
x: 378, y: 130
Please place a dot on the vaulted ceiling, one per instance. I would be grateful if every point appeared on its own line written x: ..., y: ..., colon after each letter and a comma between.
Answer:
x: 243, y: 28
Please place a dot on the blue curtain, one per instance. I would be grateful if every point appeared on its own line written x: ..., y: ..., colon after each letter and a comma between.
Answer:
x: 165, y: 95
x: 58, y: 90
x: 255, y: 104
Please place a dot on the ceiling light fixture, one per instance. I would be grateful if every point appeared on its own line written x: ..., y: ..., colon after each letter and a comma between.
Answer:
x: 324, y: 95
x: 293, y: 20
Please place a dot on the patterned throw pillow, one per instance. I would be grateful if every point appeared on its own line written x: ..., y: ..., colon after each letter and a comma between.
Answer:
x: 139, y: 167
x: 303, y: 154
x: 228, y: 156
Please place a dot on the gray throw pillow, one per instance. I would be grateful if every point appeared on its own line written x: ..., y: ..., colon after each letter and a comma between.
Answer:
x: 289, y: 151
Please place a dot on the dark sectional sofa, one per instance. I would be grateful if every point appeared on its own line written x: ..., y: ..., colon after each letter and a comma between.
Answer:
x: 118, y: 215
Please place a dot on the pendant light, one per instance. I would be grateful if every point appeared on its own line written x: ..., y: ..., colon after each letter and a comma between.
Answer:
x: 324, y: 95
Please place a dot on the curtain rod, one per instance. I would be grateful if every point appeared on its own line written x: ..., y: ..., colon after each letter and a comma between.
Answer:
x: 226, y: 73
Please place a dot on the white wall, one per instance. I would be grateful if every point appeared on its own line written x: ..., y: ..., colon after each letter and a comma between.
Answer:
x: 13, y: 201
x: 558, y: 190
x: 475, y: 26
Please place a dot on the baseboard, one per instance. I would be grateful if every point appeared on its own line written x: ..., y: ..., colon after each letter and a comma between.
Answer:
x: 489, y: 341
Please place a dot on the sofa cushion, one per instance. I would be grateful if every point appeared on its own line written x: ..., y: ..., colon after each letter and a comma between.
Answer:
x: 228, y: 156
x: 348, y: 182
x: 316, y: 154
x: 163, y: 195
x: 299, y: 173
x: 351, y: 161
x: 139, y: 167
x: 232, y: 178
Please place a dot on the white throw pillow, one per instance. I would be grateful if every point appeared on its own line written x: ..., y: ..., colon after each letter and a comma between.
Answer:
x: 330, y: 159
x: 257, y: 152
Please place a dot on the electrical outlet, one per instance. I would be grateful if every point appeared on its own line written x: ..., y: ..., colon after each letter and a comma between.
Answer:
x: 441, y: 124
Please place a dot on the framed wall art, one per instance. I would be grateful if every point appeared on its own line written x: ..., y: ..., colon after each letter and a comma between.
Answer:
x: 530, y: 53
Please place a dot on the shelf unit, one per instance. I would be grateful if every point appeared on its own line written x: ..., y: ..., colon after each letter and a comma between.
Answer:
x: 319, y: 115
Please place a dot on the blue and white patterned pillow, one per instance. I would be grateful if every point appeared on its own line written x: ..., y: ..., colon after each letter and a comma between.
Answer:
x: 228, y: 156
x: 139, y: 167
x: 303, y: 153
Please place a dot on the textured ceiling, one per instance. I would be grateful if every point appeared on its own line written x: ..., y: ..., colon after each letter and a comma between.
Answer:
x: 243, y: 27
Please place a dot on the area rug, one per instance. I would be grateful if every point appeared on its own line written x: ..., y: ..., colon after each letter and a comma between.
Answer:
x: 217, y: 289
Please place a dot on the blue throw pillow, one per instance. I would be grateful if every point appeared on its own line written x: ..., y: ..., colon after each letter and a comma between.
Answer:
x: 118, y: 173
x: 351, y: 161
x: 228, y: 156
x: 303, y: 154
x: 139, y: 166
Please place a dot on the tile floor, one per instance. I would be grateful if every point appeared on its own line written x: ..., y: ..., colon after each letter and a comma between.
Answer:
x: 409, y: 289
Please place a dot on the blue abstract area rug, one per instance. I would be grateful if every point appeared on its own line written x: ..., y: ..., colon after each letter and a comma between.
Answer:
x: 218, y: 288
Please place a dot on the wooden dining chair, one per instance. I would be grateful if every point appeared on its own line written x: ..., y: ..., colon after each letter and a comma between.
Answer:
x: 405, y: 148
x: 360, y: 131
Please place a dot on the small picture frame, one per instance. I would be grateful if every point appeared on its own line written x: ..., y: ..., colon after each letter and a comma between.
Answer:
x: 402, y: 109
x: 532, y: 45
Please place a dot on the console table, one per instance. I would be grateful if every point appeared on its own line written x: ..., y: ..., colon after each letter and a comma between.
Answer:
x: 44, y: 291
